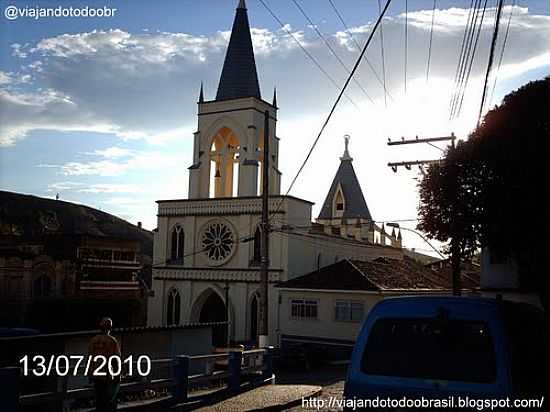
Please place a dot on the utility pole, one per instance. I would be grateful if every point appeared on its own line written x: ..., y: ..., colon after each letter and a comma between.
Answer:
x: 455, y: 241
x: 428, y: 140
x: 227, y: 328
x: 263, y: 335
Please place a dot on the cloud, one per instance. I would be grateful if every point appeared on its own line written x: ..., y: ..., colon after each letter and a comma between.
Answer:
x: 136, y: 85
x: 115, y: 162
x: 113, y: 152
x: 5, y: 78
x: 94, y: 188
x: 145, y: 85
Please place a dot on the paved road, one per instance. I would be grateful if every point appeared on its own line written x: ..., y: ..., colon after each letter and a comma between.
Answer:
x: 331, y: 378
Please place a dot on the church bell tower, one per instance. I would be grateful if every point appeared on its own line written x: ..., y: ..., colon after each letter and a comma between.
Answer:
x: 228, y: 143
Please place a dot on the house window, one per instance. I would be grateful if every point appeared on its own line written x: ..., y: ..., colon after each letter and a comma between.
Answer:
x: 173, y: 308
x: 348, y: 311
x: 303, y: 309
x: 42, y: 286
x: 178, y: 240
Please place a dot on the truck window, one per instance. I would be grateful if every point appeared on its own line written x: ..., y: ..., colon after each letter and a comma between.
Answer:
x: 430, y: 348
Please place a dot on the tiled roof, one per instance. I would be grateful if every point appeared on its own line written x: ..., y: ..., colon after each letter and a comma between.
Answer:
x: 355, y: 204
x: 239, y: 77
x: 381, y: 274
x: 341, y: 275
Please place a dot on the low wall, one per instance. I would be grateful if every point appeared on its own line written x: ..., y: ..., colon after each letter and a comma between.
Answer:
x: 156, y: 343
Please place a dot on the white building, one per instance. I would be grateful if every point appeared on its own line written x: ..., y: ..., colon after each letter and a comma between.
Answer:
x: 207, y: 247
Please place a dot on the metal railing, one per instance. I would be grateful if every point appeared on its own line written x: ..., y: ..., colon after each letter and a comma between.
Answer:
x: 236, y: 369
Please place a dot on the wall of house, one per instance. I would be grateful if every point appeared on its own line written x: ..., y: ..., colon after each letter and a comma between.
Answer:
x: 156, y: 344
x: 325, y: 326
x: 498, y: 273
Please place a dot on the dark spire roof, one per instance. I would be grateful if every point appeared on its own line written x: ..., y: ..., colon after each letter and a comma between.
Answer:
x: 274, y: 104
x: 239, y: 77
x: 355, y: 205
x: 201, y: 95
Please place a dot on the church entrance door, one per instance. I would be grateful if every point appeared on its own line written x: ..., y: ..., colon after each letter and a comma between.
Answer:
x: 213, y: 310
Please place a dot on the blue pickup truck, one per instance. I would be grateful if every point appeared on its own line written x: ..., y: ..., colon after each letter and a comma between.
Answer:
x: 443, y: 347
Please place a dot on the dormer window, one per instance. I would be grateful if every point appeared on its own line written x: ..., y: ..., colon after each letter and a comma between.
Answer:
x: 339, y: 204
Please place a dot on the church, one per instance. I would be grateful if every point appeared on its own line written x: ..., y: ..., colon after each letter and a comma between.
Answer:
x: 207, y: 247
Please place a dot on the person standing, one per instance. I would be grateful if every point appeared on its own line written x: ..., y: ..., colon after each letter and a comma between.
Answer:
x: 106, y: 386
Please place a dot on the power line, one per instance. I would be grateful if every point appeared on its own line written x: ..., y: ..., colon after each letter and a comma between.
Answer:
x: 382, y: 53
x: 502, y: 50
x: 472, y: 59
x: 308, y: 54
x: 430, y: 46
x: 329, y: 116
x: 332, y: 51
x: 461, y: 55
x: 350, y: 34
x: 490, y: 61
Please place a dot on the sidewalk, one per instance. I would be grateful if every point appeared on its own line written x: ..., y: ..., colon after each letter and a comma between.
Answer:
x: 269, y: 397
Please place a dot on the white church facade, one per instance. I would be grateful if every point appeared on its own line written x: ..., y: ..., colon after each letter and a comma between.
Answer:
x: 207, y: 247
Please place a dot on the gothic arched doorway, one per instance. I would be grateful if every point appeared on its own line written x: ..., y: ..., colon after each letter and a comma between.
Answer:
x: 213, y: 310
x: 254, y: 318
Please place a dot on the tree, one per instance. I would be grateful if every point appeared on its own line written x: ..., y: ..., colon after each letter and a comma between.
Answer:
x: 492, y: 190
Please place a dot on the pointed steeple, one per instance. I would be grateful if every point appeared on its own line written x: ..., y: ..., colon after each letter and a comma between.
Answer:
x: 274, y: 104
x: 354, y: 205
x: 239, y: 77
x: 201, y: 95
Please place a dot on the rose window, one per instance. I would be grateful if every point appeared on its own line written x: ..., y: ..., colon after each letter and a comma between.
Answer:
x: 218, y: 242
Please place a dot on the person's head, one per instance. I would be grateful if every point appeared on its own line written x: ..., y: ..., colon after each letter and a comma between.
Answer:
x: 106, y: 324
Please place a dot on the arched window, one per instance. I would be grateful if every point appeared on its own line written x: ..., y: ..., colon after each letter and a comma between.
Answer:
x: 42, y: 286
x: 224, y: 164
x: 173, y: 308
x: 178, y: 241
x: 257, y: 253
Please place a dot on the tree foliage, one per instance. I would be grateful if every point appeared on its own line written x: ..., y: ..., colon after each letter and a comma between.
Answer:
x: 493, y: 189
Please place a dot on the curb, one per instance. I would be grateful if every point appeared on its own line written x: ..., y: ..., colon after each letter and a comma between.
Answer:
x: 288, y: 404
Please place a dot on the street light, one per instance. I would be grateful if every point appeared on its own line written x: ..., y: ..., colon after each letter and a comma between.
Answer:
x: 396, y: 225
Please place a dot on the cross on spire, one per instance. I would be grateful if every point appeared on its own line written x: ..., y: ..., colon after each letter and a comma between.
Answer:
x: 346, y: 155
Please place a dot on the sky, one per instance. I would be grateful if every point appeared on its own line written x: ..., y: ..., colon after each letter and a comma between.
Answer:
x: 102, y: 110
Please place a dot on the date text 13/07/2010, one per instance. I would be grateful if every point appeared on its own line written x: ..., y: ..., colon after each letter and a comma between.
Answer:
x: 85, y: 365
